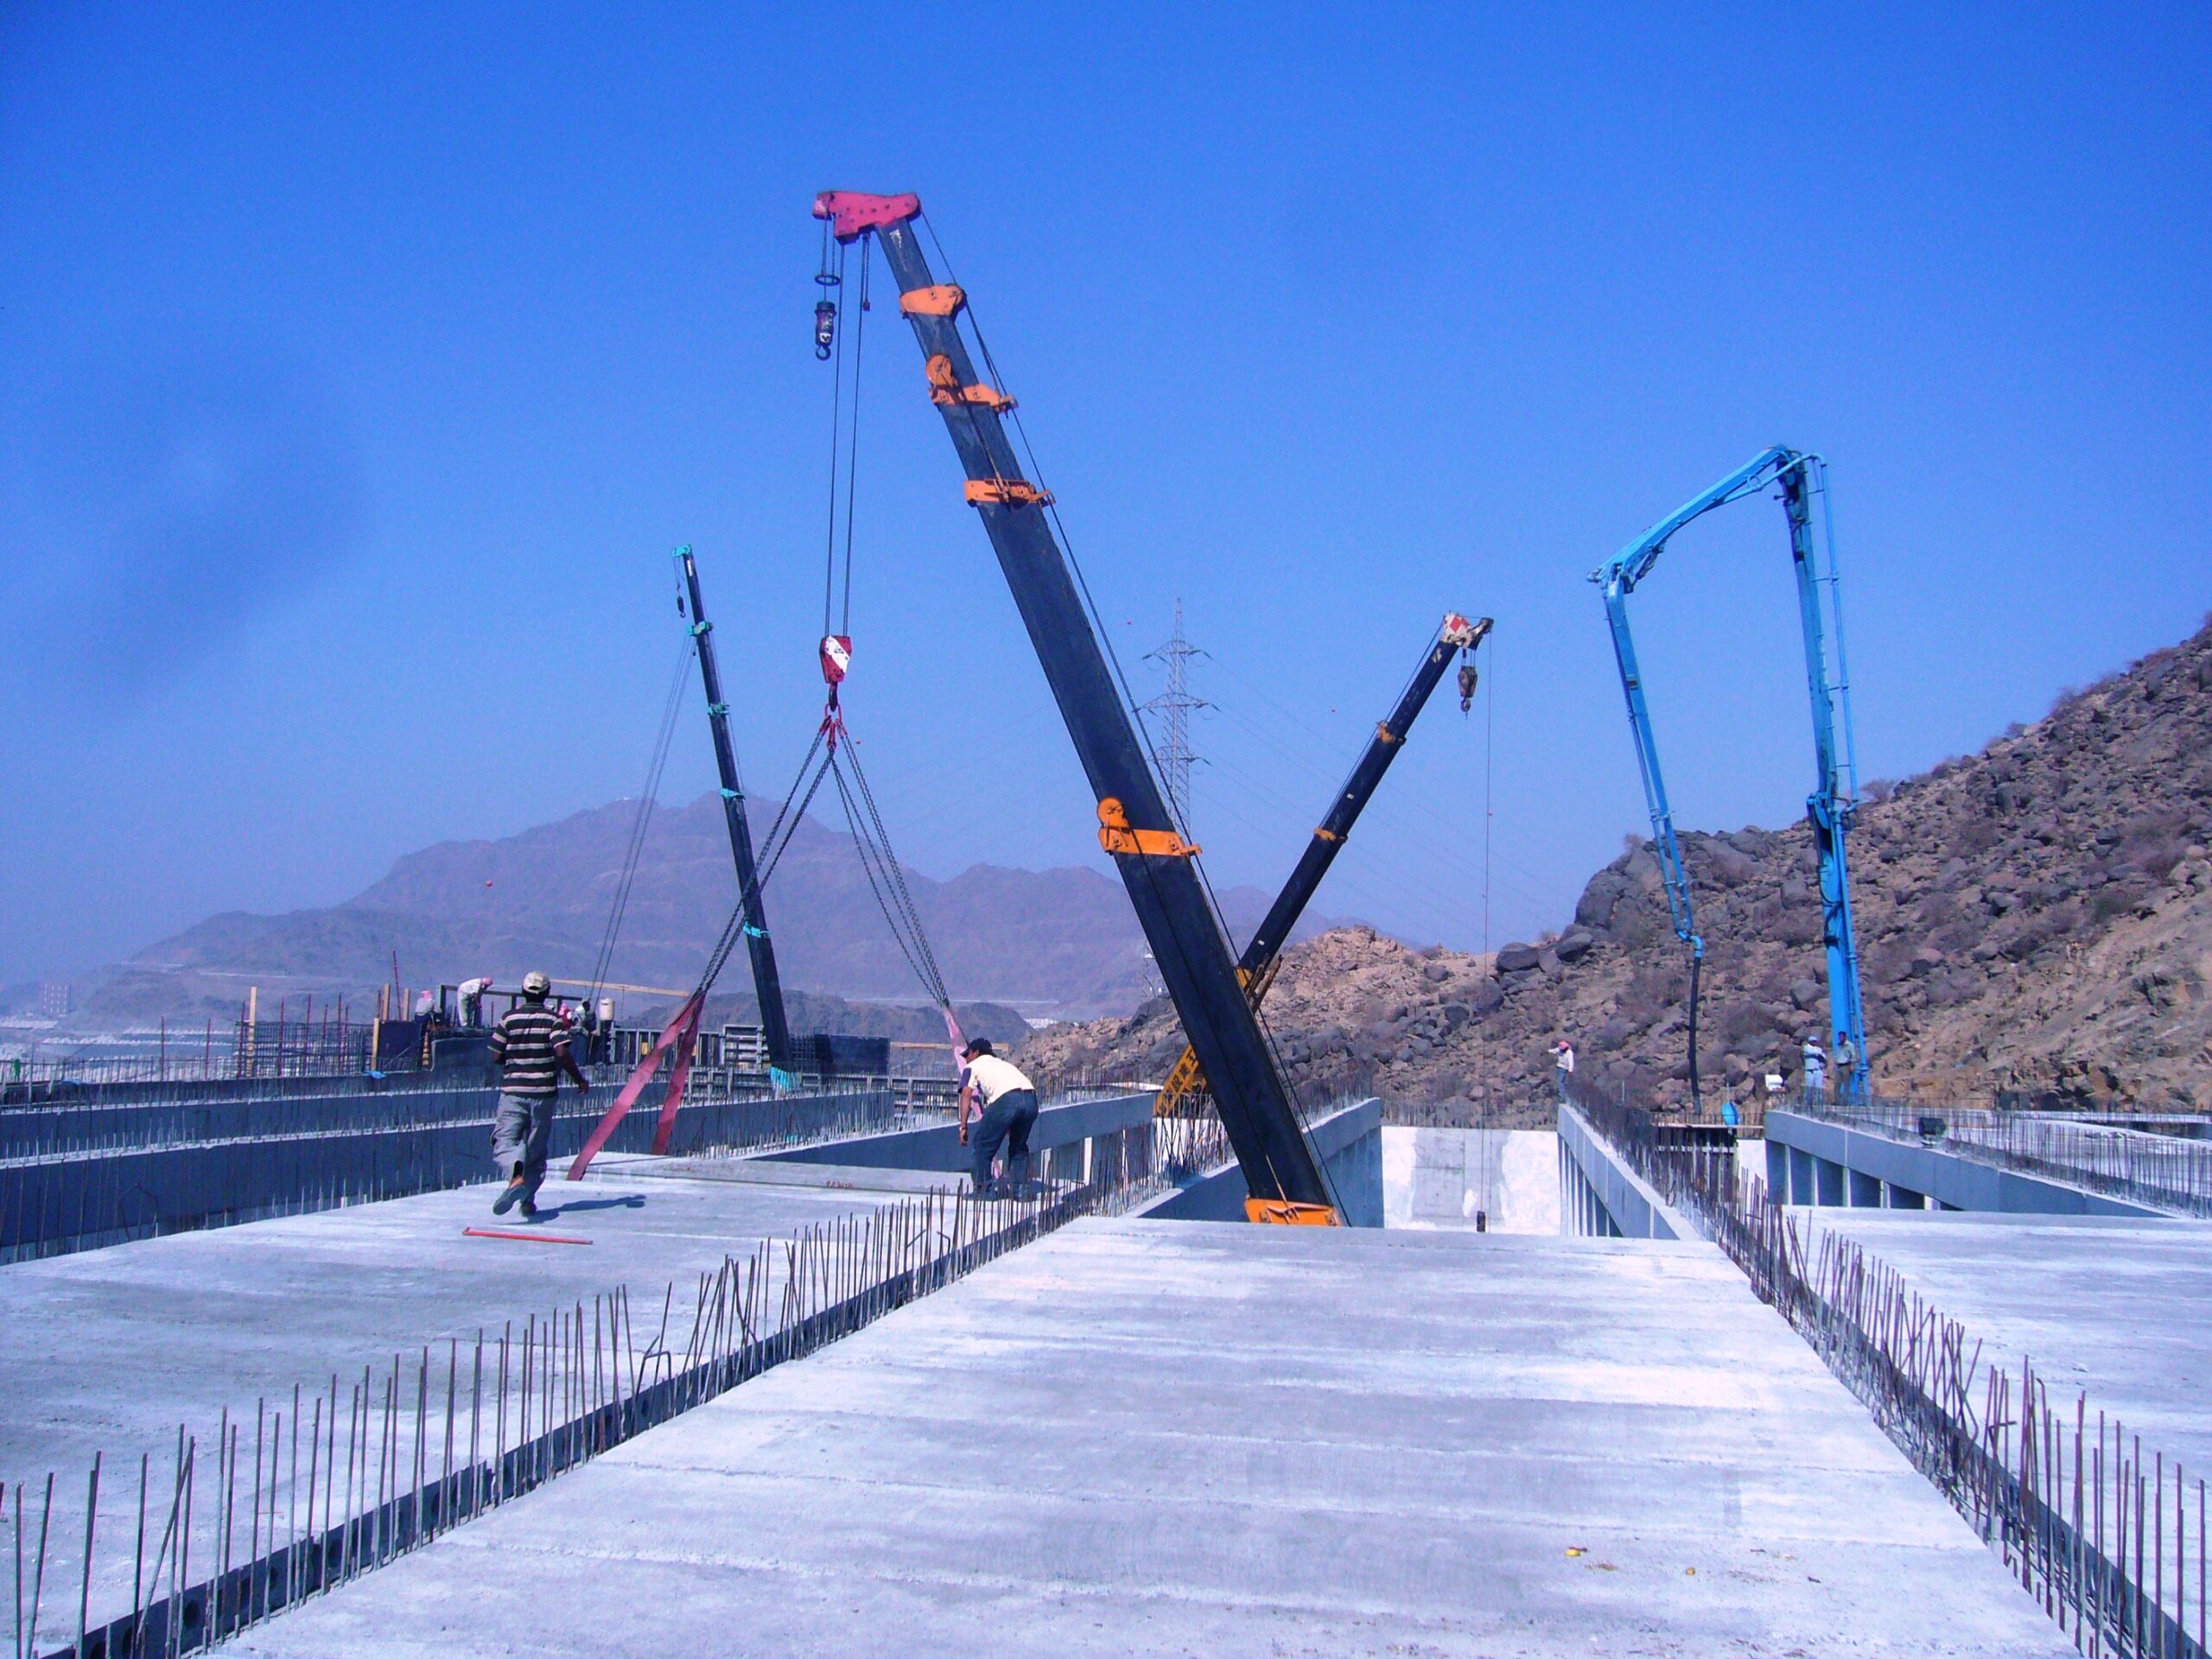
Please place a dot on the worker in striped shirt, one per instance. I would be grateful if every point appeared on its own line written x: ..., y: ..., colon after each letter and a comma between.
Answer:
x: 530, y: 1047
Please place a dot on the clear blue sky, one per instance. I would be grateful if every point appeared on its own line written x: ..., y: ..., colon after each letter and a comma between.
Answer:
x: 358, y: 366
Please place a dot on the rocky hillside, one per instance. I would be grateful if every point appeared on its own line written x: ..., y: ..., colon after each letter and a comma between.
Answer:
x: 2036, y: 917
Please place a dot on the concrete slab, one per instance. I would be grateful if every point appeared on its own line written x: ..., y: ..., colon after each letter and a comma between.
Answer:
x: 109, y: 1349
x: 1228, y: 1439
x: 2118, y: 1306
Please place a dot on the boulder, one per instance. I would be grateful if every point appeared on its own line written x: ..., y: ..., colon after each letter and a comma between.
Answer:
x: 1489, y: 996
x: 1516, y: 958
x: 1575, y: 946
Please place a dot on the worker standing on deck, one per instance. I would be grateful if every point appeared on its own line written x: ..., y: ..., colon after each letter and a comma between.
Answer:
x: 1563, y: 1066
x: 1816, y: 1069
x: 530, y: 1047
x: 1008, y: 1101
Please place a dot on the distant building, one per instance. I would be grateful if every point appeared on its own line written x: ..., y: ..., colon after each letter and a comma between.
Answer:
x: 54, y: 1000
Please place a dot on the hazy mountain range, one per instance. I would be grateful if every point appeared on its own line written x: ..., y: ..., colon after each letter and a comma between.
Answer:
x: 1061, y: 943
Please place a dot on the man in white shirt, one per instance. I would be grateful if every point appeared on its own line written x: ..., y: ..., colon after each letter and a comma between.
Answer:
x: 1008, y: 1101
x: 1563, y: 1066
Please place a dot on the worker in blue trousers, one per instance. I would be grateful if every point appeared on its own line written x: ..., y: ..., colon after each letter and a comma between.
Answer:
x: 1008, y: 1101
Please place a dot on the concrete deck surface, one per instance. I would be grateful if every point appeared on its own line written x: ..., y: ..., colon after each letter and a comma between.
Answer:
x: 1222, y: 1440
x: 109, y: 1349
x: 2117, y: 1306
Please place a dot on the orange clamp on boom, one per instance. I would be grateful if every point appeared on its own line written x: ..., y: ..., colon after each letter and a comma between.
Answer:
x: 943, y: 299
x: 1006, y: 492
x: 1116, y: 836
x: 946, y: 390
x: 1284, y: 1213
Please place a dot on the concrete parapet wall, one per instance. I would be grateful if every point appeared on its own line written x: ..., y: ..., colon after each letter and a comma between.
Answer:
x: 1350, y: 1144
x: 1811, y: 1161
x: 1602, y: 1196
x: 937, y: 1147
x: 56, y: 1205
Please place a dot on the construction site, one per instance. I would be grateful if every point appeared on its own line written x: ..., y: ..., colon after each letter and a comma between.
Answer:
x: 730, y: 1227
x: 1256, y: 1346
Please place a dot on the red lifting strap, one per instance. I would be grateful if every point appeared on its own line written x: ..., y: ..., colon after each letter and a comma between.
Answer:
x: 681, y: 1035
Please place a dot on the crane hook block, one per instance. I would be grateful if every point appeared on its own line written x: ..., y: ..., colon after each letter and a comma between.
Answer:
x: 1116, y: 836
x: 1006, y: 492
x: 1283, y: 1212
x: 947, y: 392
x: 852, y: 213
x: 944, y: 300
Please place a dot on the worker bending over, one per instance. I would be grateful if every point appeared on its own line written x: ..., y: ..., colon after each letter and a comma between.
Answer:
x: 1008, y: 1101
x: 530, y: 1047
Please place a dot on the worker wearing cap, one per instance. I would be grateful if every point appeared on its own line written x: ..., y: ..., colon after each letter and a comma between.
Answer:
x: 1009, y: 1100
x: 530, y: 1047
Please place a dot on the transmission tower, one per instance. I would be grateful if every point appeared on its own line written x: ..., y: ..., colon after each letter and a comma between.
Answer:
x: 1173, y: 707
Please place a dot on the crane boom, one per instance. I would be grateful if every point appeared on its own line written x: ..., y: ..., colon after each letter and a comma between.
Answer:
x: 1830, y: 808
x: 1282, y: 1177
x: 767, y: 984
x: 1255, y: 967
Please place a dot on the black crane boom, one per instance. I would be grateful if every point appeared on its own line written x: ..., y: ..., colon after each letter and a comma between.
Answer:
x: 767, y: 984
x: 1192, y: 953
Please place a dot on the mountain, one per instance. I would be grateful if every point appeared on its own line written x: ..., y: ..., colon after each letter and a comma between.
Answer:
x: 2036, y: 919
x: 1062, y: 941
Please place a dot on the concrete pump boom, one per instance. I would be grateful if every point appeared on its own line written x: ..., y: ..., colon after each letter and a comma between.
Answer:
x: 1284, y: 1178
x: 1263, y: 950
x: 1829, y: 809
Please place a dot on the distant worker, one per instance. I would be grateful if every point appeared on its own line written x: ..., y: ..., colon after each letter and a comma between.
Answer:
x: 472, y: 998
x: 1008, y: 1101
x: 425, y: 1005
x: 1816, y: 1069
x: 1846, y: 1062
x: 530, y: 1047
x: 1563, y: 1066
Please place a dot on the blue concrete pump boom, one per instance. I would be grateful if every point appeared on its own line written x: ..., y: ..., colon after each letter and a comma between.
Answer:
x: 1830, y: 807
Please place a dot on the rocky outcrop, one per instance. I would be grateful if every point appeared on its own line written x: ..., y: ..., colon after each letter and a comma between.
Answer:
x: 2035, y: 919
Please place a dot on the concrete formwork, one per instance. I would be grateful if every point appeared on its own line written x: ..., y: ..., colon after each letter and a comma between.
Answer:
x: 1234, y: 1440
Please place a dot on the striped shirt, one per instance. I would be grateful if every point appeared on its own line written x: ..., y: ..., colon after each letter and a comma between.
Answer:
x: 527, y: 1045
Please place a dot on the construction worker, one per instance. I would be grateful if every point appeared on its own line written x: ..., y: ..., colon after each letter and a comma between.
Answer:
x: 1563, y: 1066
x: 530, y: 1047
x: 1008, y: 1101
x: 1816, y: 1069
x: 1847, y: 1061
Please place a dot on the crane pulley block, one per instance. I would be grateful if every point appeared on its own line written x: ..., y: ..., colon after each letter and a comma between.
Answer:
x: 939, y: 300
x: 946, y: 392
x: 1006, y: 492
x: 852, y: 213
x: 1116, y: 835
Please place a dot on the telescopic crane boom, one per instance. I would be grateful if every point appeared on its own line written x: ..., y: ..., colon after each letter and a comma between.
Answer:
x: 1263, y: 950
x: 1833, y: 802
x: 1282, y: 1176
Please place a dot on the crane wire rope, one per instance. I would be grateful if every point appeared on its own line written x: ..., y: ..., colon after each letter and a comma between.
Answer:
x: 648, y: 797
x: 1106, y: 644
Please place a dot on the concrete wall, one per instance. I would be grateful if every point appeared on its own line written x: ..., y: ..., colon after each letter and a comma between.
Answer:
x: 1350, y: 1143
x: 1601, y: 1197
x: 937, y: 1147
x: 52, y: 1205
x: 1815, y: 1162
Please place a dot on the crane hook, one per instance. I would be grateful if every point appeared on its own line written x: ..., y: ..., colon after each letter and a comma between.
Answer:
x: 825, y: 328
x: 1469, y: 678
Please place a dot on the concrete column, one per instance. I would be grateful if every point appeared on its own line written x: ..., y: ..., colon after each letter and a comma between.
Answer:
x: 1903, y: 1198
x: 1828, y: 1178
x: 1866, y: 1191
x: 1801, y: 1177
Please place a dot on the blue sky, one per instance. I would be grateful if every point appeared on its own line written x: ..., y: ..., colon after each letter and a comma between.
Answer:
x: 358, y: 368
